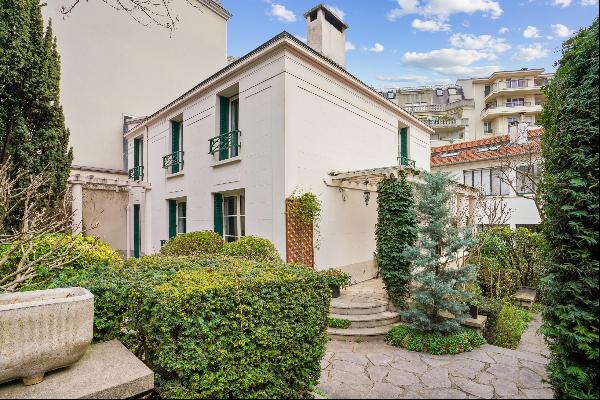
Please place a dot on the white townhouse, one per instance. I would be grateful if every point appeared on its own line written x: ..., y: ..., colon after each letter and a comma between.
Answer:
x: 285, y: 117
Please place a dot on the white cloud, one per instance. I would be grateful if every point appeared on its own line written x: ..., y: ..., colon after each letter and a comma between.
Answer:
x: 589, y: 2
x: 350, y: 46
x: 531, y: 32
x: 430, y: 25
x: 562, y: 3
x: 503, y: 30
x: 530, y: 53
x: 336, y: 10
x: 451, y: 61
x: 377, y: 48
x: 281, y: 13
x: 561, y: 30
x: 481, y: 42
x: 443, y: 9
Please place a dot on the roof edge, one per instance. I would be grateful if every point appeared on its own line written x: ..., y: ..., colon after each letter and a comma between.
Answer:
x: 217, y: 8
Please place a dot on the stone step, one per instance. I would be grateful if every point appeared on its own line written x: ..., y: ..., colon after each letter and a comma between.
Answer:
x: 344, y: 307
x: 369, y: 320
x: 359, y: 334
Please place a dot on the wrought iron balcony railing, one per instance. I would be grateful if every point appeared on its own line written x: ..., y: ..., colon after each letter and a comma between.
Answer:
x: 440, y: 107
x: 136, y: 173
x: 447, y: 123
x: 175, y: 158
x: 227, y: 145
x: 407, y: 162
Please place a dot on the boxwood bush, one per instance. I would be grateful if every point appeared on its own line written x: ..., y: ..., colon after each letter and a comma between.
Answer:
x: 512, y: 323
x: 216, y: 328
x: 199, y: 243
x: 252, y: 248
x: 491, y: 308
x: 433, y: 343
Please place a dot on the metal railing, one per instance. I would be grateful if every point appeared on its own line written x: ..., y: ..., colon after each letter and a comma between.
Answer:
x: 175, y: 158
x: 440, y: 107
x: 136, y: 173
x: 508, y: 105
x: 447, y: 123
x: 228, y: 142
x: 407, y: 162
x: 522, y: 84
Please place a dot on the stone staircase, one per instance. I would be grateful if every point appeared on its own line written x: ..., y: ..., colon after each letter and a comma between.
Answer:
x: 367, y: 308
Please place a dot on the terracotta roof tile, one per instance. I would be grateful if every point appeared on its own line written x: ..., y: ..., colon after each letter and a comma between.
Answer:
x: 469, y: 151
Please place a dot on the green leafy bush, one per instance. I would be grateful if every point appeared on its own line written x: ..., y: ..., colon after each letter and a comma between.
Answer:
x: 491, y: 308
x: 415, y: 340
x: 336, y: 277
x: 200, y: 243
x: 339, y: 323
x: 252, y: 248
x: 571, y: 218
x: 512, y: 323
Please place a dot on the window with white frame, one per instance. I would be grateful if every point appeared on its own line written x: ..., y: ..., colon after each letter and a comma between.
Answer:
x: 515, y: 101
x: 488, y: 180
x: 234, y: 217
x: 528, y: 177
x: 516, y: 83
x: 181, y: 217
x: 487, y: 127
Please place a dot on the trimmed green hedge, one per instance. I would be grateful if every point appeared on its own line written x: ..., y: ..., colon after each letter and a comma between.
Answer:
x: 252, y: 248
x: 416, y: 340
x: 491, y: 308
x: 199, y: 243
x: 512, y: 323
x: 216, y: 328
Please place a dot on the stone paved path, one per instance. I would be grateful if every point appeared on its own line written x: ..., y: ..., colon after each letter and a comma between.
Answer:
x: 377, y: 370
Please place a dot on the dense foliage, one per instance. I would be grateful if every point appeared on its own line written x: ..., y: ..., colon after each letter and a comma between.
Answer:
x: 252, y: 248
x: 194, y: 244
x: 439, y: 275
x: 570, y: 218
x: 491, y: 308
x: 32, y: 129
x: 216, y: 328
x: 339, y: 323
x: 506, y: 259
x: 395, y: 231
x: 511, y: 324
x: 417, y: 340
x: 336, y: 277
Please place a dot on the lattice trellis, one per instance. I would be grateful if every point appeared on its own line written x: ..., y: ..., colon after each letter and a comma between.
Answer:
x: 299, y: 238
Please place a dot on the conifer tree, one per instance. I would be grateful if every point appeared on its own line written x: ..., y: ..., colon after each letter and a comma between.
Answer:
x: 32, y: 128
x: 438, y: 274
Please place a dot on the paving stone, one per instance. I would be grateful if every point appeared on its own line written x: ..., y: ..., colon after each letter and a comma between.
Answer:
x: 348, y: 366
x: 380, y: 358
x: 401, y: 378
x: 538, y: 393
x: 339, y: 390
x: 349, y: 378
x: 437, y: 361
x: 405, y: 355
x: 444, y: 394
x: 474, y: 388
x: 478, y: 355
x: 416, y: 366
x: 436, y: 378
x: 485, y: 378
x: 506, y: 360
x: 336, y: 346
x: 505, y: 388
x: 373, y: 347
x: 539, y: 369
x: 506, y: 372
x: 327, y: 356
x: 377, y: 373
x: 324, y: 364
x: 382, y: 390
x: 466, y: 368
x: 411, y: 395
x: 530, y: 380
x: 352, y: 357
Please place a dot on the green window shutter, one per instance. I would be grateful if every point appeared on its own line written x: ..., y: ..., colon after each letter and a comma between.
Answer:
x: 172, y: 218
x: 223, y: 127
x: 137, y: 237
x: 136, y: 152
x: 404, y: 142
x: 218, y: 213
x: 175, y: 131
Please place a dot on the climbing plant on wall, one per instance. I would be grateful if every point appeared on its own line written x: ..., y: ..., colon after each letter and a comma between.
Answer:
x: 395, y: 231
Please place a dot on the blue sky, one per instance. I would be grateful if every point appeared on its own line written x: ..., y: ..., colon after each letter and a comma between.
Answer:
x: 418, y: 42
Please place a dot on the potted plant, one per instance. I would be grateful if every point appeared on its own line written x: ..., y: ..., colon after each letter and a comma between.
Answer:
x: 337, y: 280
x: 474, y: 307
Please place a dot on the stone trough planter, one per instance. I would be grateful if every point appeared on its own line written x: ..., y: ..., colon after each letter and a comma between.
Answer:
x: 43, y: 330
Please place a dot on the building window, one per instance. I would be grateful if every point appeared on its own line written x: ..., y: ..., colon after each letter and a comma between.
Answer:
x: 516, y: 83
x: 487, y: 127
x: 515, y: 101
x: 137, y: 172
x: 488, y: 180
x: 181, y: 217
x: 177, y: 217
x: 452, y: 91
x: 439, y: 92
x: 227, y: 144
x: 174, y: 160
x: 234, y: 217
x: 528, y: 177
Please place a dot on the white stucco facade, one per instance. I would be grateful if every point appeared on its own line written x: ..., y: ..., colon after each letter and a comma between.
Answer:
x: 300, y: 117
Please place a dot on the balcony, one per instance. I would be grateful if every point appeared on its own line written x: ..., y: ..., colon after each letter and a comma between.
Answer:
x: 406, y: 162
x: 447, y: 124
x: 226, y: 145
x: 136, y: 173
x: 440, y: 107
x: 526, y: 107
x: 522, y: 87
x: 174, y: 159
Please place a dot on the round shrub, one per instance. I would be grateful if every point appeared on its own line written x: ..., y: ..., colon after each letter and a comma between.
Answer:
x: 512, y: 323
x: 252, y: 248
x: 415, y: 340
x: 194, y: 244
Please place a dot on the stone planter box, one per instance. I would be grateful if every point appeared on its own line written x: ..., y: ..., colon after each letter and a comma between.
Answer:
x: 43, y: 330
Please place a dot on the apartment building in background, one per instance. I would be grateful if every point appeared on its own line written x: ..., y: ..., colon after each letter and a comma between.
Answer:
x: 476, y: 108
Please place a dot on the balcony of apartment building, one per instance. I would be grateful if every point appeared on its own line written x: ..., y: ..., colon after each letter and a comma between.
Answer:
x: 432, y: 108
x: 516, y: 106
x: 447, y: 124
x: 514, y: 87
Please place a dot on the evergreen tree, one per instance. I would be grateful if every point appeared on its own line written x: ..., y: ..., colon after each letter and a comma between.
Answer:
x: 396, y: 229
x: 32, y: 129
x: 570, y: 218
x: 437, y: 271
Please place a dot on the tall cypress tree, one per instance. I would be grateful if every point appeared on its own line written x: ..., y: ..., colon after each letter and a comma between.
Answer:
x: 439, y: 280
x: 570, y: 218
x: 32, y: 129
